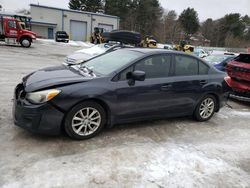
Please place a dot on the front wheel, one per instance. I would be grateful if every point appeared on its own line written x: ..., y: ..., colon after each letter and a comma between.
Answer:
x: 205, y: 108
x: 85, y: 120
x: 25, y: 42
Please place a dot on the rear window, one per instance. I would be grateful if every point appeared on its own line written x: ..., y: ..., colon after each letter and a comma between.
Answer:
x: 243, y: 58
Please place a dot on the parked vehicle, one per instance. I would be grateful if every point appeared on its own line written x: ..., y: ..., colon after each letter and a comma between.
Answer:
x: 200, y: 53
x: 220, y: 61
x: 11, y: 32
x: 123, y: 36
x: 184, y: 47
x: 168, y: 47
x: 88, y: 53
x: 239, y: 75
x: 122, y: 86
x: 62, y: 36
x: 96, y: 36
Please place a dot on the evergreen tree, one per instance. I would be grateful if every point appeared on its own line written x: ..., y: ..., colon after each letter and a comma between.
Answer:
x: 139, y: 15
x: 230, y: 25
x: 86, y: 5
x: 207, y: 29
x: 189, y: 21
x: 148, y: 16
x: 118, y: 8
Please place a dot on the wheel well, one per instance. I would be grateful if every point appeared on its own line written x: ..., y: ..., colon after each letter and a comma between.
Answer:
x: 26, y: 37
x: 217, y: 101
x: 100, y: 102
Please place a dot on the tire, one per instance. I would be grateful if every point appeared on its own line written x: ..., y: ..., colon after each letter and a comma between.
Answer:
x: 205, y: 108
x: 79, y: 127
x: 25, y: 42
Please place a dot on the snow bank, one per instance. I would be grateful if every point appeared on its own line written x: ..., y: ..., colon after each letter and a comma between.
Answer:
x: 71, y: 43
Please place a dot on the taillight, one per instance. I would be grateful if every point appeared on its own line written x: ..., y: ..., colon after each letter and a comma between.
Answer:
x: 228, y: 83
x: 227, y: 80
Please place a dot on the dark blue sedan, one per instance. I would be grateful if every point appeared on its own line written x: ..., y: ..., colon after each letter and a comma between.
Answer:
x: 119, y: 87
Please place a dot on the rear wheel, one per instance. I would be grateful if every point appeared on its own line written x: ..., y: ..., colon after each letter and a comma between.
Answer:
x: 205, y: 108
x: 25, y: 42
x: 85, y: 120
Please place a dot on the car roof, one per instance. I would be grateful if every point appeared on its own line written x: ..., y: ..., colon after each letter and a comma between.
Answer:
x: 152, y: 51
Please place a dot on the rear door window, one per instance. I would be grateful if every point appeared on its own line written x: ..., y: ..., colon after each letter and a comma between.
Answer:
x: 203, y: 68
x: 186, y: 66
x: 157, y: 66
x: 243, y: 58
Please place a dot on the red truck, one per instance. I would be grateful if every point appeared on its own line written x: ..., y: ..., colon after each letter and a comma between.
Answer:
x: 11, y: 32
x: 238, y: 71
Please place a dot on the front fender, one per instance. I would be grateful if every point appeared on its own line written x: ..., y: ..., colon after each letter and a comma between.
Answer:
x: 30, y: 36
x: 74, y: 94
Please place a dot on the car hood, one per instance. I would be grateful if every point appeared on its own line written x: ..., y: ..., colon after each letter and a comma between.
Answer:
x: 28, y: 32
x: 52, y: 77
x: 79, y: 56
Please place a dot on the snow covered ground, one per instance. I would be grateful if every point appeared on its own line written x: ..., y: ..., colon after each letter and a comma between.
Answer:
x: 70, y: 43
x: 167, y: 153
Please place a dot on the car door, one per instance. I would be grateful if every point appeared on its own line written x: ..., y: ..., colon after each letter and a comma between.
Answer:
x: 148, y: 98
x: 190, y: 77
x: 11, y: 29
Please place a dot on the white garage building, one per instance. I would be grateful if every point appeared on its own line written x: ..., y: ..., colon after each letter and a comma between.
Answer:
x: 78, y: 24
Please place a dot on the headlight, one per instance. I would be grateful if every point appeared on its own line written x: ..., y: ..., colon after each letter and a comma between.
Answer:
x: 42, y: 96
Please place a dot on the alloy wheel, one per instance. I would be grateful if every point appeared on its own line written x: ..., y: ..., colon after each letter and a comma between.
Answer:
x: 207, y: 108
x: 86, y: 121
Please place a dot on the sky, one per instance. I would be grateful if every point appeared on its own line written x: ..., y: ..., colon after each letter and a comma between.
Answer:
x: 206, y: 8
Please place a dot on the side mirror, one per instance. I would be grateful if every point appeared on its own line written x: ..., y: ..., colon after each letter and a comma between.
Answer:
x: 136, y: 75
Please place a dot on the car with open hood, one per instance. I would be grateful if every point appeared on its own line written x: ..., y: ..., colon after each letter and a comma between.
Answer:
x: 88, y: 53
x: 220, y: 61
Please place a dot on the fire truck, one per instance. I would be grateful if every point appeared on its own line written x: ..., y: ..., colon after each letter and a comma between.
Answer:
x: 12, y: 32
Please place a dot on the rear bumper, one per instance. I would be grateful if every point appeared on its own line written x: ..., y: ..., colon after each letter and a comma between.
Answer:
x: 239, y: 88
x: 44, y: 119
x: 242, y: 86
x: 62, y: 39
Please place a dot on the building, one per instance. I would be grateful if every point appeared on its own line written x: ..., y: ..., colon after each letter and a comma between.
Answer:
x: 78, y: 24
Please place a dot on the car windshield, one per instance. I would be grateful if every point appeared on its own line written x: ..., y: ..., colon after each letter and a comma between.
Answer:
x: 112, y: 61
x: 243, y: 58
x: 215, y: 59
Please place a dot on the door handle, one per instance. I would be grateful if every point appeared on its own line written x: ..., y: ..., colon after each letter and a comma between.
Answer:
x: 203, y: 82
x: 166, y: 87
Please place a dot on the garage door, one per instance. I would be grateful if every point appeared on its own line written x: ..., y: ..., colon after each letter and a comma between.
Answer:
x: 106, y: 27
x: 78, y: 30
